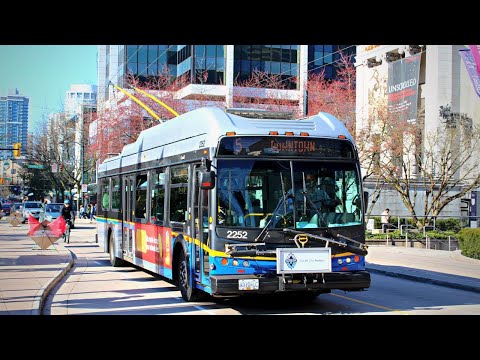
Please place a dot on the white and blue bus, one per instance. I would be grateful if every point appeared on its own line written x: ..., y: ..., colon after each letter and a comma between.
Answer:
x: 227, y: 205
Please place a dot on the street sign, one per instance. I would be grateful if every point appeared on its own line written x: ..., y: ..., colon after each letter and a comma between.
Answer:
x: 84, y: 188
x: 35, y: 166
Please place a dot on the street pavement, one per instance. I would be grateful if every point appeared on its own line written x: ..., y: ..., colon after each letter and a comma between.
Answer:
x: 27, y: 274
x: 440, y: 267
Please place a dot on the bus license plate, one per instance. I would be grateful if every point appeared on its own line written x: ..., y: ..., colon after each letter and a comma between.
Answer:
x: 248, y: 284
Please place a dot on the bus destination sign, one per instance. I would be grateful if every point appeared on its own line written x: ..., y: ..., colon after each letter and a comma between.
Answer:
x: 284, y: 146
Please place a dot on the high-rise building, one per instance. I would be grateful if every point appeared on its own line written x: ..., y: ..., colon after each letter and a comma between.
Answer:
x: 79, y: 95
x: 13, y: 122
x: 80, y: 99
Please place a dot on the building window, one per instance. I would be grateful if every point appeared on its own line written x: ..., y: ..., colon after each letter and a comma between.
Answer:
x: 325, y: 57
x: 280, y: 60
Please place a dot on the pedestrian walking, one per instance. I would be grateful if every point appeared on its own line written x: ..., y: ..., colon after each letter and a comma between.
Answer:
x: 385, y: 219
x: 93, y: 211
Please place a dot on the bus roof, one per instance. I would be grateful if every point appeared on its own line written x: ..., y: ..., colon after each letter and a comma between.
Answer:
x: 203, y: 127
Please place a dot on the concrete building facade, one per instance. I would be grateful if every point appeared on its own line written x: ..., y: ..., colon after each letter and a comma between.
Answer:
x: 443, y: 83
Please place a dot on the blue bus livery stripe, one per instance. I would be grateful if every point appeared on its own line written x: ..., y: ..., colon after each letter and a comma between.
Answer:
x: 215, y: 253
x: 108, y: 220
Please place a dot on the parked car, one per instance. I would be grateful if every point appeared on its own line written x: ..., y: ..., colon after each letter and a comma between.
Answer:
x: 16, y: 207
x: 6, y: 208
x: 54, y: 210
x: 33, y: 208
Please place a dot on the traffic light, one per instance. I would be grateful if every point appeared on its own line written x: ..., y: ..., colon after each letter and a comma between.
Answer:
x: 60, y: 167
x: 17, y: 148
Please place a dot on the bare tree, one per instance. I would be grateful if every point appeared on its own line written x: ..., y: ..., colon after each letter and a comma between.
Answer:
x: 53, y: 147
x: 435, y: 167
x: 335, y: 96
x: 121, y: 124
x: 256, y: 91
x: 450, y: 165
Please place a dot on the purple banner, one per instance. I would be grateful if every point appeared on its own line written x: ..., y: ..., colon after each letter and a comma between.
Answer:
x: 471, y: 68
x: 475, y: 50
x: 403, y: 87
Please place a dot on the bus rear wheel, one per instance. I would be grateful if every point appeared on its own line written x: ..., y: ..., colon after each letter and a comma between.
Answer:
x: 183, y: 279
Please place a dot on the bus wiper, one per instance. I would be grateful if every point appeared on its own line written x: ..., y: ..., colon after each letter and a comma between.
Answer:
x: 319, y: 213
x: 356, y: 248
x: 285, y: 196
x: 265, y: 229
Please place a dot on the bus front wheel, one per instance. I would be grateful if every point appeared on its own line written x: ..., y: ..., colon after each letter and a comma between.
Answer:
x: 183, y: 279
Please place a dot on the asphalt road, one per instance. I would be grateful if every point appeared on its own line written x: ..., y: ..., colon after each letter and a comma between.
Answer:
x: 93, y: 287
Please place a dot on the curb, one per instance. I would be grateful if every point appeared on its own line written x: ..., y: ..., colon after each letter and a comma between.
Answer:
x: 426, y: 280
x: 457, y: 255
x: 43, y: 292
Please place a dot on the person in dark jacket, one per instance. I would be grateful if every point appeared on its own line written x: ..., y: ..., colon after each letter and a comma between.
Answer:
x: 67, y: 211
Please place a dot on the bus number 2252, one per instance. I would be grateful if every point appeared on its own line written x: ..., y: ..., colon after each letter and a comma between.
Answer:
x: 235, y: 234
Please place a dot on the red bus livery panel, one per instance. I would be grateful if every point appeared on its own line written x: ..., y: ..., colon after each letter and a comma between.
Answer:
x: 152, y: 244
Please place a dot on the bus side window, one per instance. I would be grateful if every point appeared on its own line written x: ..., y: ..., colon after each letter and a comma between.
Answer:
x: 141, y: 197
x: 178, y: 194
x: 157, y: 200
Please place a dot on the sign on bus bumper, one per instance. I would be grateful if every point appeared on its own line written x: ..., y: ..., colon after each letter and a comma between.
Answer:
x: 304, y: 260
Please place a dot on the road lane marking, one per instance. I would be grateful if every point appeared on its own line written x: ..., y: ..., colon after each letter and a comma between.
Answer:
x: 367, y: 303
x: 201, y: 308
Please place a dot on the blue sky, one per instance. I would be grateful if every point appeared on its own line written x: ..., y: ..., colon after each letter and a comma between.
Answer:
x: 44, y: 73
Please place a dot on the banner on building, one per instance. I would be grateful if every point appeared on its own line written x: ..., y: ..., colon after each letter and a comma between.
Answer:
x: 471, y: 68
x: 475, y: 50
x: 402, y: 87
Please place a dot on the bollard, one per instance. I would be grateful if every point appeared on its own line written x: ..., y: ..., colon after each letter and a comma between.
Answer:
x: 406, y: 238
x: 448, y: 242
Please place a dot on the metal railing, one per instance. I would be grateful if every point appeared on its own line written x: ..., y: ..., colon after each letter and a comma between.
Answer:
x: 450, y: 243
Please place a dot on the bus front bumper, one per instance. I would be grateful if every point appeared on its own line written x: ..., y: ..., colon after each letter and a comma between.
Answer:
x: 348, y: 281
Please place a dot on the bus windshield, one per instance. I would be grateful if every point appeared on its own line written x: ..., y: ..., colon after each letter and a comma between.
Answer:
x: 293, y: 194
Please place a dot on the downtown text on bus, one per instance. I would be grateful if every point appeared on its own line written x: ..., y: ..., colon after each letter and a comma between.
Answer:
x: 227, y: 205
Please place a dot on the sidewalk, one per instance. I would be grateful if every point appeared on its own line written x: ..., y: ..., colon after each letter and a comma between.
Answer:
x: 27, y: 273
x: 445, y: 268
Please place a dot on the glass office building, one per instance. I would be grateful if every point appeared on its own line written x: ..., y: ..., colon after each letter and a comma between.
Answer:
x: 210, y: 65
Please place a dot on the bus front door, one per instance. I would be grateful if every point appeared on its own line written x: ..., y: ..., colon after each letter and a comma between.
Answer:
x: 200, y: 233
x: 127, y: 232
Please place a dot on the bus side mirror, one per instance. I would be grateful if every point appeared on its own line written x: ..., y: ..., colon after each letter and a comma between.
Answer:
x: 365, y: 198
x: 207, y: 179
